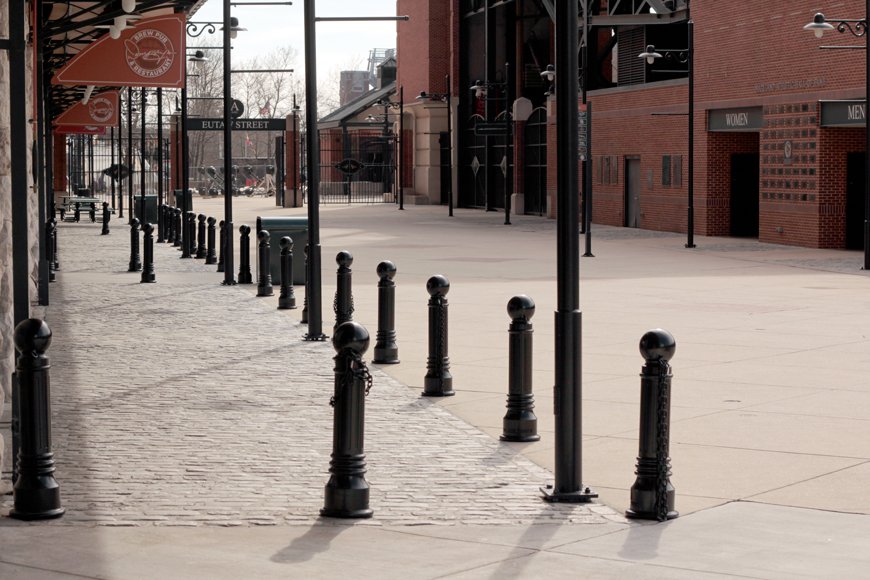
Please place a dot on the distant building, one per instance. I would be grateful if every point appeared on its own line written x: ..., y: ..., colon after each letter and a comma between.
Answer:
x: 353, y: 84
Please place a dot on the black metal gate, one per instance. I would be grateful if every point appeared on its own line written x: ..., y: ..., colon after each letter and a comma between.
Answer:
x: 501, y: 162
x: 472, y: 181
x: 357, y: 167
x: 536, y: 162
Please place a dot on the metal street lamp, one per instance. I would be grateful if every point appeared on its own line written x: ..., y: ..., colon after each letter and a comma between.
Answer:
x: 683, y: 56
x: 445, y: 98
x: 858, y: 28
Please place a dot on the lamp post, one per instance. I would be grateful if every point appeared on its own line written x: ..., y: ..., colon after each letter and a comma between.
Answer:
x: 858, y: 28
x: 568, y: 376
x: 445, y: 98
x: 684, y: 56
x: 399, y: 105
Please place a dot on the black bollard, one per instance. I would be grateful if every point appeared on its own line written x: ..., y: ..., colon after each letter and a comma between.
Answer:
x: 210, y: 257
x: 264, y: 279
x: 346, y: 495
x: 287, y: 299
x: 135, y: 262
x: 53, y: 256
x: 148, y: 266
x: 223, y: 243
x: 50, y: 237
x: 201, y: 250
x: 161, y: 223
x: 176, y: 218
x: 188, y: 236
x: 520, y: 422
x: 438, y: 381
x: 652, y: 495
x: 191, y: 237
x: 304, y: 318
x: 105, y: 231
x: 386, y: 349
x: 92, y: 213
x: 343, y: 303
x: 36, y: 492
x: 77, y: 215
x: 245, y: 255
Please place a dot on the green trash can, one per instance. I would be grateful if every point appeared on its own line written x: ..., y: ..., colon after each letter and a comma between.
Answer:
x: 279, y: 226
x: 150, y: 209
x: 180, y: 199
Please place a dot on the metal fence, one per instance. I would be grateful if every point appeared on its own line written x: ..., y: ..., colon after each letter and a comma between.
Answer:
x: 357, y: 167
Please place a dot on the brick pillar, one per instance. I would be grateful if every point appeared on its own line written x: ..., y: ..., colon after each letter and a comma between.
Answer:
x: 292, y: 153
x: 59, y: 169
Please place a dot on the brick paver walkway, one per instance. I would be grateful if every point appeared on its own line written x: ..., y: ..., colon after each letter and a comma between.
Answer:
x: 186, y: 403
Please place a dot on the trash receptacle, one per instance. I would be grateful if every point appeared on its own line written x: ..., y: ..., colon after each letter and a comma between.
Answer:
x: 180, y: 199
x: 150, y: 209
x: 279, y: 226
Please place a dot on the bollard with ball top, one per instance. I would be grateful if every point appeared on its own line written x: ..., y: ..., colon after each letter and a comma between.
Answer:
x: 245, y: 276
x: 135, y: 260
x: 210, y: 256
x: 36, y: 493
x: 148, y: 276
x: 105, y: 230
x: 520, y: 422
x: 438, y: 381
x: 286, y: 299
x: 346, y: 495
x: 386, y: 350
x: 223, y: 243
x: 201, y: 250
x: 264, y: 279
x: 343, y: 305
x: 652, y: 495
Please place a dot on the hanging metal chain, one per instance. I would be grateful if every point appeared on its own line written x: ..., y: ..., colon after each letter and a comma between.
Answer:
x: 356, y: 371
x: 662, y: 436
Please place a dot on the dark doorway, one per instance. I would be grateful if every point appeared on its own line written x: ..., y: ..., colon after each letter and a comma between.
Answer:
x: 632, y: 192
x: 744, y: 195
x: 855, y: 168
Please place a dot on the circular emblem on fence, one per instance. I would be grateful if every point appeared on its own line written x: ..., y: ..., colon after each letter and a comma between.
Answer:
x: 149, y: 53
x: 100, y: 109
x: 348, y: 166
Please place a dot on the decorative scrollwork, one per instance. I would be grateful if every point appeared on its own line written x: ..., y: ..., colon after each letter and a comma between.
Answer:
x: 195, y: 29
x: 858, y: 30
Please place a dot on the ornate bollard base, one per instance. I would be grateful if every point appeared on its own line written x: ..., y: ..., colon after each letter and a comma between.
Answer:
x: 387, y: 355
x: 643, y: 501
x: 286, y: 303
x: 520, y: 427
x: 346, y: 499
x: 438, y: 386
x: 36, y: 498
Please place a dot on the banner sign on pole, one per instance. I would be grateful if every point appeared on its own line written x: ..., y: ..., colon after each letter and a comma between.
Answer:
x: 150, y: 53
x: 101, y: 111
x: 200, y: 124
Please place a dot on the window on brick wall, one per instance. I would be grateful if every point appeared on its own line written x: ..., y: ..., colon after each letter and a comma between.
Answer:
x: 672, y: 170
x: 666, y: 170
x: 606, y: 170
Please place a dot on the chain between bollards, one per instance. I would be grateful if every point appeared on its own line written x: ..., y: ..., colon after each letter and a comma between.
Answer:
x: 210, y: 256
x: 135, y: 261
x: 36, y: 493
x: 245, y: 276
x: 520, y: 422
x: 287, y: 299
x: 652, y: 495
x: 438, y: 381
x: 105, y: 230
x: 343, y: 303
x: 386, y: 350
x: 264, y: 279
x: 346, y: 494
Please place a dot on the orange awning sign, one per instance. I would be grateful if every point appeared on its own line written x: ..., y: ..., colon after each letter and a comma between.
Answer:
x: 149, y: 54
x: 101, y: 111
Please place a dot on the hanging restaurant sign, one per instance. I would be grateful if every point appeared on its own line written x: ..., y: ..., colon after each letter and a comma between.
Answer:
x: 149, y: 53
x: 100, y: 111
x: 78, y: 130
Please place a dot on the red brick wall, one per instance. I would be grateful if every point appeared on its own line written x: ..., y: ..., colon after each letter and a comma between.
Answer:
x: 59, y: 162
x: 422, y: 49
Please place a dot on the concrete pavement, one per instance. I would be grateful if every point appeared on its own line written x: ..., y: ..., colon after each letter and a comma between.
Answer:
x: 155, y: 407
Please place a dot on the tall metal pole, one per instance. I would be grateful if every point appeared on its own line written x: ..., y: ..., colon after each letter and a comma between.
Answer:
x: 120, y: 179
x: 568, y: 387
x: 401, y: 135
x: 229, y: 267
x: 185, y: 170
x: 867, y: 142
x: 509, y: 136
x: 295, y: 166
x: 586, y: 226
x: 690, y: 241
x: 449, y: 152
x: 313, y: 289
x: 130, y: 151
x: 144, y: 102
x: 160, y: 158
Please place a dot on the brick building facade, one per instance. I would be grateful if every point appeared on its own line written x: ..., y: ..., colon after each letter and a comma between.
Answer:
x: 779, y: 127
